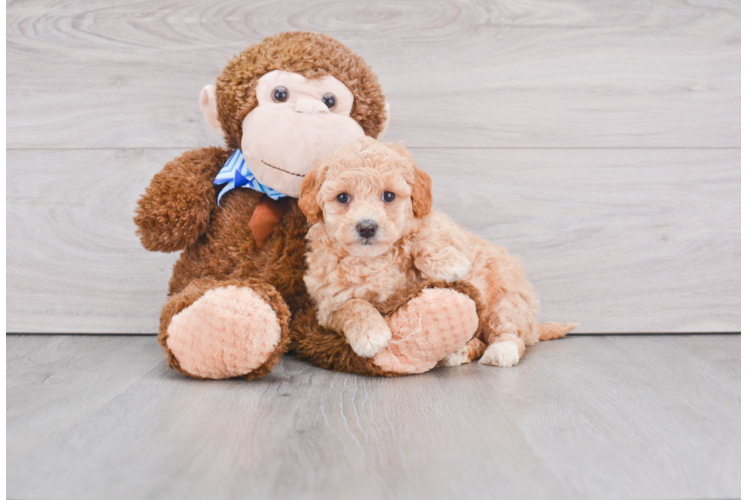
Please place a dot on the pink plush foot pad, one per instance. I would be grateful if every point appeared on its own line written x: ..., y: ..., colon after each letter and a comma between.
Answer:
x: 228, y: 332
x: 427, y: 329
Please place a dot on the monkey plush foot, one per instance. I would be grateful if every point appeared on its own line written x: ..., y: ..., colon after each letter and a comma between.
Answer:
x: 430, y: 327
x: 229, y: 331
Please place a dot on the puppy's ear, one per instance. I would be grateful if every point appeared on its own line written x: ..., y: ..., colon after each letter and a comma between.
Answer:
x: 421, y: 189
x: 308, y: 198
x: 421, y: 193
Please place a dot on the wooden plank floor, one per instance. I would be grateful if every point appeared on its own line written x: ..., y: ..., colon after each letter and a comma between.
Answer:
x: 617, y: 417
x: 597, y: 140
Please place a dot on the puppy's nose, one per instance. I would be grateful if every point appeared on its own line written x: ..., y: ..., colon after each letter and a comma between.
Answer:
x: 366, y: 228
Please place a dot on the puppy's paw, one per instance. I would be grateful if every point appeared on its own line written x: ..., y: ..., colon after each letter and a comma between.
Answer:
x: 458, y: 358
x: 502, y: 354
x: 369, y: 337
x: 450, y: 265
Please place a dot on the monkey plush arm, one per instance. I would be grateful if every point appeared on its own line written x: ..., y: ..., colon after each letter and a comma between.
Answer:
x: 176, y: 207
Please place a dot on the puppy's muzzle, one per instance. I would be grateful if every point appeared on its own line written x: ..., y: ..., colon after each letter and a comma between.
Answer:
x: 367, y: 229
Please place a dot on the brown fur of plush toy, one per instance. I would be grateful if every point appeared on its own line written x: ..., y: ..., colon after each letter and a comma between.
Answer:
x: 221, y: 263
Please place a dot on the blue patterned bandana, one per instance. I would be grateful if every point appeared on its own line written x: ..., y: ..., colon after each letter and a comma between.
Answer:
x: 235, y: 173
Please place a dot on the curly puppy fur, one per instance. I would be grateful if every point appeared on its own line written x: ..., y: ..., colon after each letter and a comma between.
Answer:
x: 348, y: 270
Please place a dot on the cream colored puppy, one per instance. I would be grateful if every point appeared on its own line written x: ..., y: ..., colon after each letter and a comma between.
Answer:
x: 373, y: 232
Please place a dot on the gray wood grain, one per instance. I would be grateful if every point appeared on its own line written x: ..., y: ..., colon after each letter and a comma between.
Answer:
x: 616, y: 417
x: 616, y: 240
x: 616, y: 175
x: 75, y: 261
x: 457, y: 73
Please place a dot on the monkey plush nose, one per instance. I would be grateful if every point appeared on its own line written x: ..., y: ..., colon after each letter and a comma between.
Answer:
x: 366, y: 229
x: 306, y: 105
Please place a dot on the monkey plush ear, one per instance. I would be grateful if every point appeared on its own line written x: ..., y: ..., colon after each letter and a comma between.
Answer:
x: 210, y: 108
x: 386, y: 121
x: 308, y: 199
x: 421, y: 193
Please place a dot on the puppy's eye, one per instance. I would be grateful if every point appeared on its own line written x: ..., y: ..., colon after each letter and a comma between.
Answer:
x: 388, y: 197
x: 343, y: 198
x: 280, y: 94
x: 329, y: 100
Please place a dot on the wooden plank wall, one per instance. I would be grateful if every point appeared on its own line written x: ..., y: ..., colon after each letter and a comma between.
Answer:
x: 597, y: 140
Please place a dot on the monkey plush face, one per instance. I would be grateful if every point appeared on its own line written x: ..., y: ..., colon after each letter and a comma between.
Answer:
x: 289, y: 101
x: 296, y: 123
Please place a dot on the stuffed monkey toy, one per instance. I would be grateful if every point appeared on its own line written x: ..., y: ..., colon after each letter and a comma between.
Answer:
x: 237, y: 300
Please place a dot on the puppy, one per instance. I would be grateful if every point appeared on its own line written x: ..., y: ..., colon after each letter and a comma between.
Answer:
x: 374, y: 232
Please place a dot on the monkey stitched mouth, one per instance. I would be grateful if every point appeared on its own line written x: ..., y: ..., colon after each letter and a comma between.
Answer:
x: 284, y: 171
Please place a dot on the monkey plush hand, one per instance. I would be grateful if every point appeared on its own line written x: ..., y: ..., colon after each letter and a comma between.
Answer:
x: 237, y: 299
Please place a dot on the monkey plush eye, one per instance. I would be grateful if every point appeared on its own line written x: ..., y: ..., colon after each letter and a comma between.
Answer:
x: 343, y: 198
x: 329, y: 100
x: 388, y: 197
x: 280, y: 94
